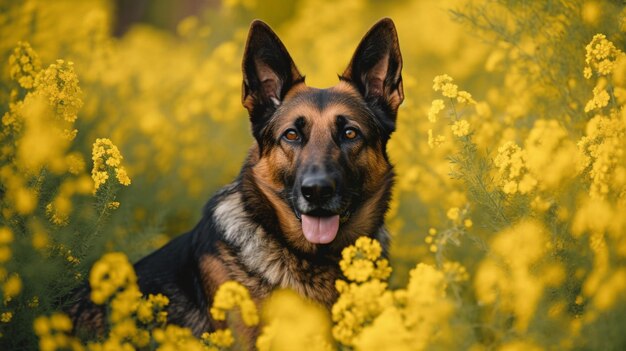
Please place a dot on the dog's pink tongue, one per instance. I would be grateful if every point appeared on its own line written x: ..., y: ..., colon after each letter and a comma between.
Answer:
x: 320, y: 230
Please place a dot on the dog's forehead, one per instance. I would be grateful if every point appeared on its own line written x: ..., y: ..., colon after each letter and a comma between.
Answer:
x: 341, y: 99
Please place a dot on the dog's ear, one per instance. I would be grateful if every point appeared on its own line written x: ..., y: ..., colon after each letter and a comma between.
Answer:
x: 268, y: 72
x: 376, y: 70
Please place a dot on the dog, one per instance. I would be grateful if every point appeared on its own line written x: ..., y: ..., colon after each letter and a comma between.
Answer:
x: 316, y: 178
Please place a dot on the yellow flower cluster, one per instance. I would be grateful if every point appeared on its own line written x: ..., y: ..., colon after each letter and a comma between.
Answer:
x: 600, y: 150
x: 6, y: 238
x: 173, y: 338
x: 601, y: 56
x: 59, y: 85
x: 600, y: 98
x: 426, y: 307
x: 550, y: 155
x: 54, y: 333
x: 517, y: 281
x: 231, y: 295
x: 361, y: 261
x: 220, y: 339
x: 6, y: 317
x: 460, y: 127
x: 431, y: 240
x: 450, y: 90
x: 460, y: 223
x: 292, y: 323
x: 357, y: 306
x: 24, y: 65
x: 110, y: 274
x: 136, y: 322
x: 152, y: 309
x: 437, y: 106
x: 106, y: 157
x: 368, y: 316
x: 455, y: 272
x: 435, y: 141
x: 512, y: 169
x: 58, y: 217
x: 10, y: 284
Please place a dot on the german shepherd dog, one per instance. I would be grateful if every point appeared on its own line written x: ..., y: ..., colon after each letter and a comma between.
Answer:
x: 316, y: 178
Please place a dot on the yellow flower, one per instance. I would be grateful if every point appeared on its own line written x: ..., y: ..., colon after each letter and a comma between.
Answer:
x: 41, y: 325
x: 230, y: 295
x: 105, y: 153
x: 440, y: 81
x: 600, y: 99
x: 601, y: 56
x: 468, y: 223
x: 460, y: 128
x: 60, y: 322
x: 293, y: 323
x: 599, y: 152
x: 455, y: 272
x: 513, y: 278
x: 59, y: 85
x: 24, y: 65
x: 34, y: 302
x: 110, y: 273
x: 12, y: 287
x: 75, y: 163
x: 173, y: 337
x: 144, y: 312
x: 453, y: 213
x: 147, y: 309
x: 435, y: 141
x: 511, y: 164
x: 465, y: 98
x: 125, y: 303
x: 358, y: 304
x: 449, y: 90
x: 361, y: 262
x: 221, y: 338
x: 159, y: 301
x: 56, y: 216
x: 6, y: 317
x: 6, y: 235
x: 436, y: 107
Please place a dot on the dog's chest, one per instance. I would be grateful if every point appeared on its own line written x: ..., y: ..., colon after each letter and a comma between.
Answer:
x: 254, y: 258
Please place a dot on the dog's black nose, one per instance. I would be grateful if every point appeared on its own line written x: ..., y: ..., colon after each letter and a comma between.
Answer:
x: 317, y: 189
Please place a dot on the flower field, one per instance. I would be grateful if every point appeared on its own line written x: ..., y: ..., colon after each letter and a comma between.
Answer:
x: 508, y: 218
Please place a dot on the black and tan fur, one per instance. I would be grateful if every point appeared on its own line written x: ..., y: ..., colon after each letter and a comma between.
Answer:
x: 251, y: 230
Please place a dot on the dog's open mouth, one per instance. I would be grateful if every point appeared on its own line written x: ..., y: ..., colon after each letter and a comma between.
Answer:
x: 320, y: 226
x: 320, y: 230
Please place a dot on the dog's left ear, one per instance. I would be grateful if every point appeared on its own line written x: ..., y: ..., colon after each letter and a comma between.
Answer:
x: 268, y: 73
x: 376, y: 70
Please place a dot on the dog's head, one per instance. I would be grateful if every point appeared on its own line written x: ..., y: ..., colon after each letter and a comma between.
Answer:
x: 320, y: 156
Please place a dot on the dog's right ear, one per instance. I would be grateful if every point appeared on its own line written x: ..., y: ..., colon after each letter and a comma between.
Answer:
x: 268, y: 73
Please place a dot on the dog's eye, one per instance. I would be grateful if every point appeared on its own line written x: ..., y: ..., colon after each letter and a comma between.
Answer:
x: 291, y: 135
x: 350, y: 133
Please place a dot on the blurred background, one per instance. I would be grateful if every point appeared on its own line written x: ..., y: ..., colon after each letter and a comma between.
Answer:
x: 162, y: 80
